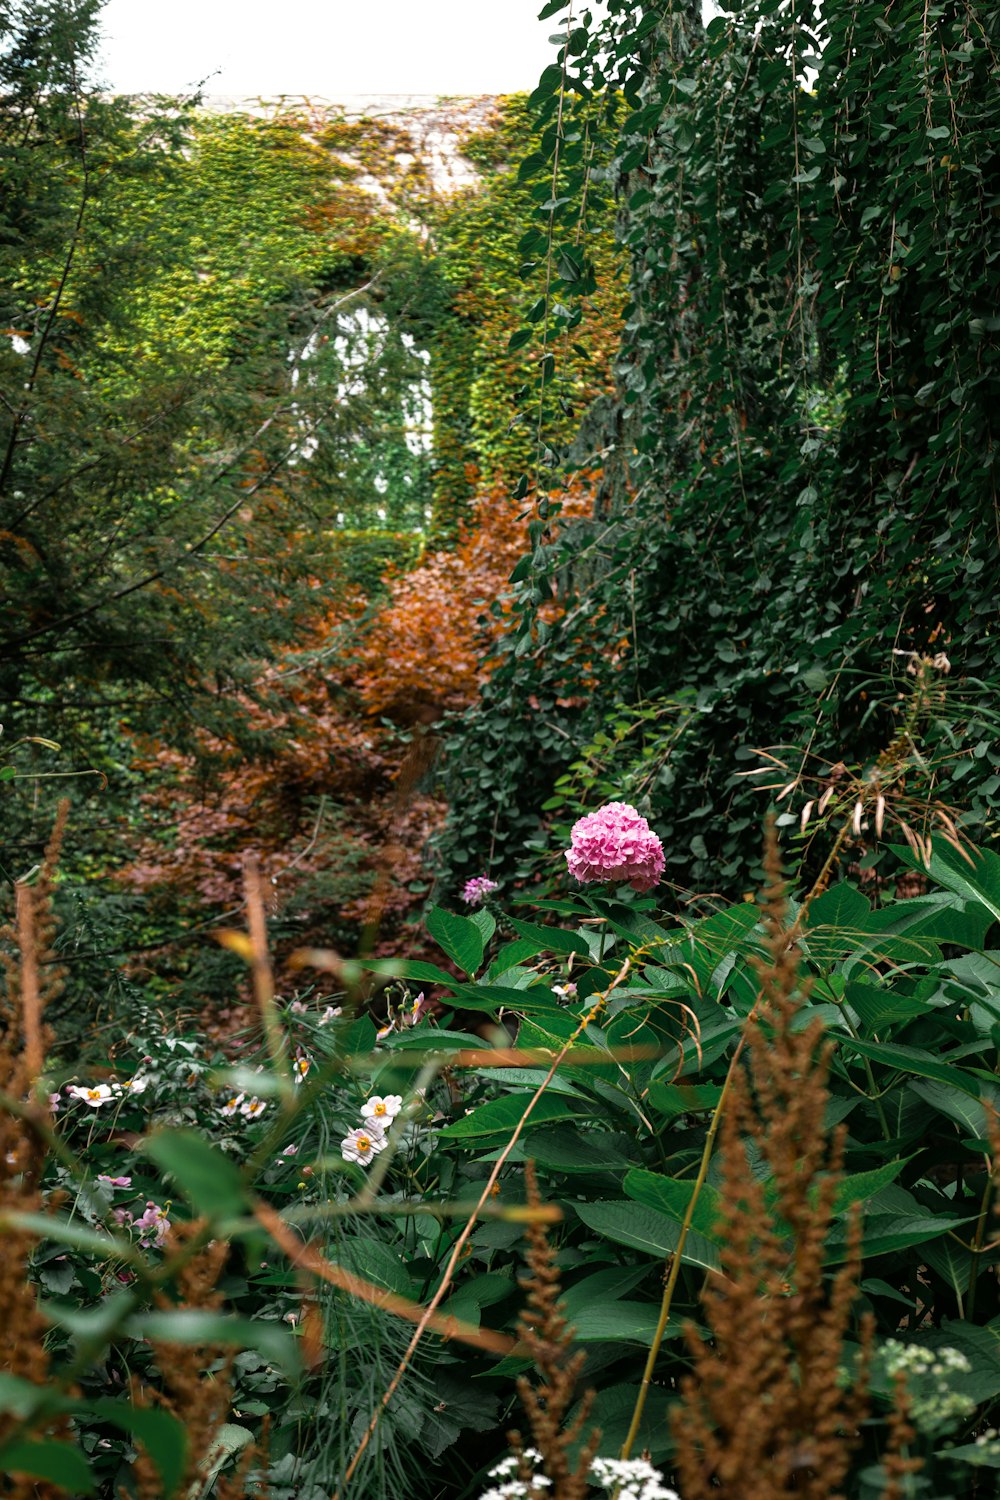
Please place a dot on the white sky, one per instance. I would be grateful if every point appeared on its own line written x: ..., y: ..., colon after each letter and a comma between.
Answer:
x: 326, y: 48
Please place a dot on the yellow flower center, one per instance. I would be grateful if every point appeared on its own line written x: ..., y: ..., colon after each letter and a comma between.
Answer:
x: 380, y: 1109
x: 93, y: 1093
x: 364, y: 1144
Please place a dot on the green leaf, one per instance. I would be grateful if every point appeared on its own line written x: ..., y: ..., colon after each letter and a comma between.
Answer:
x: 672, y: 1099
x: 612, y: 1412
x: 860, y: 1186
x: 410, y: 968
x: 623, y: 1322
x: 459, y: 937
x: 500, y: 1116
x: 914, y: 1060
x: 163, y: 1436
x: 984, y: 1455
x: 951, y: 1261
x: 968, y: 1113
x: 642, y: 1228
x: 977, y: 880
x: 486, y: 923
x: 375, y: 1261
x: 57, y: 1462
x: 552, y: 939
x: 209, y: 1180
x: 70, y: 1232
x: 671, y: 1197
x: 194, y: 1325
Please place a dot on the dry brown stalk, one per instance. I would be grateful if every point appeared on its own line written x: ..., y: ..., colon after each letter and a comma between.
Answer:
x: 548, y: 1339
x: 764, y: 1414
x: 200, y: 1402
x: 897, y: 1462
x: 32, y: 979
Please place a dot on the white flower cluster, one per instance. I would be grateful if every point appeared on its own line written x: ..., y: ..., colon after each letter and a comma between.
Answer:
x: 628, y: 1479
x: 377, y: 1114
x: 934, y: 1406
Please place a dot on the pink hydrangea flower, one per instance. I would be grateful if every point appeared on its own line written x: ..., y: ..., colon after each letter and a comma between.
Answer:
x: 475, y: 891
x: 616, y: 843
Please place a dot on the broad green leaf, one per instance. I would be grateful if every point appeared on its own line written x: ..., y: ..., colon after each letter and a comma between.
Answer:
x: 486, y: 923
x: 621, y: 1322
x: 492, y: 997
x: 951, y: 1261
x: 860, y: 1186
x: 885, y: 1233
x: 876, y: 1006
x: 513, y: 954
x: 502, y: 1115
x: 672, y: 1099
x: 642, y: 1228
x: 966, y: 1112
x: 975, y: 880
x: 914, y: 1060
x: 981, y: 1455
x: 410, y: 968
x: 163, y: 1436
x: 69, y: 1232
x: 552, y: 939
x: 48, y: 1459
x: 571, y: 1148
x: 208, y: 1178
x: 226, y: 1440
x: 612, y: 1411
x: 459, y: 937
x: 671, y: 1196
x: 194, y: 1325
x: 692, y: 1054
x: 609, y: 1285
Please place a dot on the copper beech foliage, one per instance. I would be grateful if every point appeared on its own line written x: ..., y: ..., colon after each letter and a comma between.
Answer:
x: 346, y: 786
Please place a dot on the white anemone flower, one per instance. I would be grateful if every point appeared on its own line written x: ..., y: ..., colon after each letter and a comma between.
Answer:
x: 382, y: 1110
x: 253, y: 1107
x: 363, y: 1144
x: 233, y: 1104
x: 96, y: 1096
x: 136, y: 1085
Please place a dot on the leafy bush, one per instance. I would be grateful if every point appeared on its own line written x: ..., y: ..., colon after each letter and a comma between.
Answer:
x: 630, y: 1030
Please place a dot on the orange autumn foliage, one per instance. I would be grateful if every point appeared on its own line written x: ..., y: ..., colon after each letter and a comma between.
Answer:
x: 341, y: 809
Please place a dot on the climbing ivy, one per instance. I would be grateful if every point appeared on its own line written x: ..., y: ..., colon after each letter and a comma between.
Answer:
x: 799, y: 499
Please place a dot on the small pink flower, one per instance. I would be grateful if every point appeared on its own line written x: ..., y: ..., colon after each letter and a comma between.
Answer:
x: 153, y: 1225
x: 290, y: 1151
x: 475, y: 891
x: 54, y: 1102
x: 330, y: 1014
x: 615, y: 843
x: 417, y: 1011
x: 118, y: 1182
x: 297, y: 1008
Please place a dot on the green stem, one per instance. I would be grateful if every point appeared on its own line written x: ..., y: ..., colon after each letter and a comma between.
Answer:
x: 977, y: 1244
x: 675, y: 1259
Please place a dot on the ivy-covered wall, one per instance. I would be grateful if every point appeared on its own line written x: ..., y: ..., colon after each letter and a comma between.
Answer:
x: 800, y: 556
